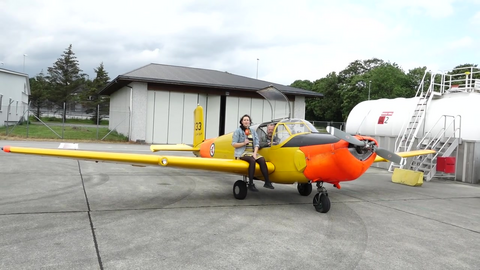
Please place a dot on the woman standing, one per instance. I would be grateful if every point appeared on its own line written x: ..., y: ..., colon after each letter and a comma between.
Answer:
x: 246, y: 146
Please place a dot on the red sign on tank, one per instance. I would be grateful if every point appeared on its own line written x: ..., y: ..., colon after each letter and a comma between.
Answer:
x: 384, y: 117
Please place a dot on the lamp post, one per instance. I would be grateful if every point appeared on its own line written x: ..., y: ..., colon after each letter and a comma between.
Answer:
x: 257, y: 69
x: 24, y: 55
x: 369, y: 83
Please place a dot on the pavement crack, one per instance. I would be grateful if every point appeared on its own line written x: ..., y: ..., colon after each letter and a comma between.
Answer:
x: 92, y: 227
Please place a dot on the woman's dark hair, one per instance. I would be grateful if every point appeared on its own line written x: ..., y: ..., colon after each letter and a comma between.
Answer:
x: 241, y: 125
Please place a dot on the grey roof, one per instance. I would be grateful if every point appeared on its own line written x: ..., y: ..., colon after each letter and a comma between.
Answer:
x: 177, y: 75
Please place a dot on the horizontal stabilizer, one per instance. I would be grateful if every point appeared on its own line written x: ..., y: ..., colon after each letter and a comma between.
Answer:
x: 407, y: 154
x: 173, y: 147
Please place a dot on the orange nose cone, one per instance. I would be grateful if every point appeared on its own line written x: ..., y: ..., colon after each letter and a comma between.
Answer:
x: 6, y: 149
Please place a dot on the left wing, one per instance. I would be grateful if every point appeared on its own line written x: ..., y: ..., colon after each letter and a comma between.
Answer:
x: 173, y: 147
x: 406, y: 154
x: 211, y: 164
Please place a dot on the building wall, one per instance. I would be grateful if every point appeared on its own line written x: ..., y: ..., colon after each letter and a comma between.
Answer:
x: 299, y: 107
x: 139, y: 111
x: 119, y: 115
x: 166, y: 116
x: 14, y: 91
x: 169, y: 116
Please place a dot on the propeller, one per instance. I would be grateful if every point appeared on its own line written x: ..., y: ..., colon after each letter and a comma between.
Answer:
x: 386, y: 154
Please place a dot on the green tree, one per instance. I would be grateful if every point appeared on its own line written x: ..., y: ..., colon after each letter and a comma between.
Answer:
x: 329, y: 107
x: 66, y: 79
x: 39, y: 88
x: 302, y: 84
x: 416, y: 76
x: 91, y: 101
x: 306, y: 85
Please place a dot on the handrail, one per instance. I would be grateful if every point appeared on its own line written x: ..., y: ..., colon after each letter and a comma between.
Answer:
x: 434, y: 140
x: 445, y: 127
x: 421, y: 84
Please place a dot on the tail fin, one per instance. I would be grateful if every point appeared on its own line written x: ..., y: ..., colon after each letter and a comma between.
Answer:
x: 199, y: 128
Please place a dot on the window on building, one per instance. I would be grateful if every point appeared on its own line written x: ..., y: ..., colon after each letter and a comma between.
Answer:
x: 16, y: 109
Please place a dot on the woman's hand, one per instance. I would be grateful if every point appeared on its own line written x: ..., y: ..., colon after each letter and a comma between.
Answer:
x: 246, y: 141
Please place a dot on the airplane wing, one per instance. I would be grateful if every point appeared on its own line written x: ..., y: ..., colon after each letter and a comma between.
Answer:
x: 211, y: 164
x: 407, y: 154
x: 173, y: 147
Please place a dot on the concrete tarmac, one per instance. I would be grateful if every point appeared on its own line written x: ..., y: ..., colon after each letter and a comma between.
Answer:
x: 68, y: 214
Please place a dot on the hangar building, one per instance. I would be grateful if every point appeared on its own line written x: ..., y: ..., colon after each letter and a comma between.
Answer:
x: 14, y: 92
x: 155, y: 103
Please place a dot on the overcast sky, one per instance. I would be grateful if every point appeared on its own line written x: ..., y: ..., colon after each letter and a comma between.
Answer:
x: 293, y: 40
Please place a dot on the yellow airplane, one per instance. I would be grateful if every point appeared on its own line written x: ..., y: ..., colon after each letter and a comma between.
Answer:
x: 301, y: 155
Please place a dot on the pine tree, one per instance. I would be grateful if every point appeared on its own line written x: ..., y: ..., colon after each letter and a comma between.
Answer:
x: 66, y: 78
x: 90, y: 99
x: 39, y: 88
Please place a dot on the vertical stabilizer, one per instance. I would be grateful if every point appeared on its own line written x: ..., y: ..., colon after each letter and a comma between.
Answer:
x: 199, y: 127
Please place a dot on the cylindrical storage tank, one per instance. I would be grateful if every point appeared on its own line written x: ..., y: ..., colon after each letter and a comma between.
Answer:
x: 382, y: 117
x: 389, y: 117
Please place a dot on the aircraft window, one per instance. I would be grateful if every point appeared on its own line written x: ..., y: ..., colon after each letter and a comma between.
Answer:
x: 282, y: 133
x: 262, y: 133
x: 299, y: 126
x: 310, y: 126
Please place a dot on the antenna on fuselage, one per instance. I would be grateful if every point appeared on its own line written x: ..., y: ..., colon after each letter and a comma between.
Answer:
x: 271, y: 94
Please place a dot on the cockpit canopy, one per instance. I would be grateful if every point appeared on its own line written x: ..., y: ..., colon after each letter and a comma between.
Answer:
x: 285, y: 128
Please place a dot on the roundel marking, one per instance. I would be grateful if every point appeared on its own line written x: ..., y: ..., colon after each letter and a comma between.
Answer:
x: 212, y: 150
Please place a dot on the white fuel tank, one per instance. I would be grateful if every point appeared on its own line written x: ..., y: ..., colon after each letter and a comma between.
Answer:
x: 387, y: 117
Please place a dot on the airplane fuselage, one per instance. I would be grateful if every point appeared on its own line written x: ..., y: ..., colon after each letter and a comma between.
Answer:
x: 302, y: 158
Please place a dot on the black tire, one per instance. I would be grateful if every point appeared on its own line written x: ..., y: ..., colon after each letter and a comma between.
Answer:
x: 240, y: 190
x: 304, y: 189
x: 321, y: 202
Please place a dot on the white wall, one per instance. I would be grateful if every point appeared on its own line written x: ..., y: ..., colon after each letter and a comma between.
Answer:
x: 170, y: 116
x: 258, y: 109
x: 212, y: 119
x: 119, y: 115
x: 298, y: 107
x: 139, y: 111
x: 14, y: 91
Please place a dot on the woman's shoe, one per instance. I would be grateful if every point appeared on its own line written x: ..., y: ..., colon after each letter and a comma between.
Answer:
x: 252, y: 187
x: 268, y: 185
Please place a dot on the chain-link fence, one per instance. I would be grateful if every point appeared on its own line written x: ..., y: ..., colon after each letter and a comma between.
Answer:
x: 322, y: 125
x: 68, y: 123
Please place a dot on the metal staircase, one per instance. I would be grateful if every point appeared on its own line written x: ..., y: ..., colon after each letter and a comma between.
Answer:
x: 444, y: 141
x: 406, y: 138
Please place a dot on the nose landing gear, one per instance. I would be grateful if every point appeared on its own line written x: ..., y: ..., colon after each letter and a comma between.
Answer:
x: 321, y: 202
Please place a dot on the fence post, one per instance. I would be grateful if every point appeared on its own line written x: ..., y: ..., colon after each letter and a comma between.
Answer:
x: 98, y: 118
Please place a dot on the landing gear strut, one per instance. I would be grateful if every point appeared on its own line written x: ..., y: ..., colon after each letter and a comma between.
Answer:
x: 321, y: 202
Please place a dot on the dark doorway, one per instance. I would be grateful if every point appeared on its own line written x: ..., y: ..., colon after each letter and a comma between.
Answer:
x: 221, y: 125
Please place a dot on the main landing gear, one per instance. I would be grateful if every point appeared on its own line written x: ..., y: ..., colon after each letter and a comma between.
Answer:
x: 321, y: 202
x: 304, y: 189
x: 240, y: 189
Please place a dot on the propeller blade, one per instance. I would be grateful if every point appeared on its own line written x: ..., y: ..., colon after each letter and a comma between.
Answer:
x: 344, y: 136
x: 386, y: 154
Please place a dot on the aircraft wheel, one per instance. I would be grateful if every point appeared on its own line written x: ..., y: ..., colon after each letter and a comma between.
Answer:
x: 304, y: 189
x: 321, y: 202
x: 240, y: 190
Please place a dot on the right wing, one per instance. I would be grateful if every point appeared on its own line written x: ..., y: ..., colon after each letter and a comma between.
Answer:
x: 407, y: 154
